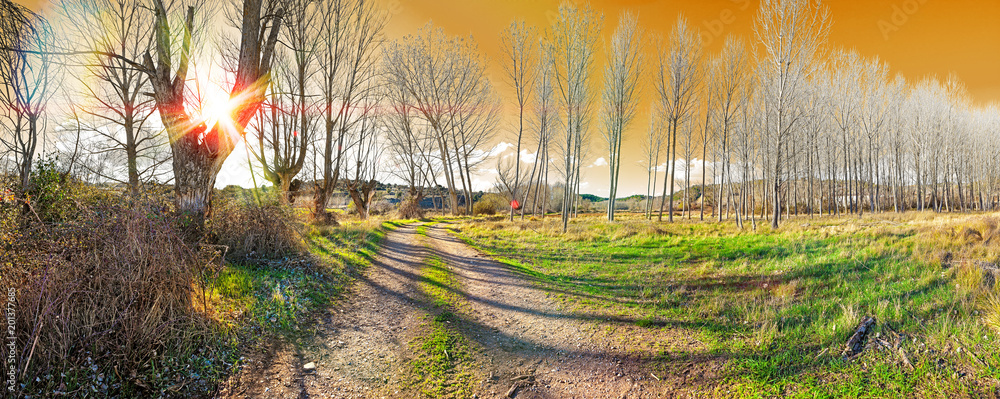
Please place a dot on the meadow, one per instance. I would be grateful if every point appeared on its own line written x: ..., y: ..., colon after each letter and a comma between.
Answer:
x: 775, y: 308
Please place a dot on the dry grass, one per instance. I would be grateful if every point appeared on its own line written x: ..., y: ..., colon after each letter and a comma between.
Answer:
x: 109, y: 290
x: 991, y: 311
x: 110, y: 296
x: 255, y: 232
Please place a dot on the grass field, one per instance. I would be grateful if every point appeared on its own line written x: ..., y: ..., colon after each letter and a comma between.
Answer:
x: 776, y: 307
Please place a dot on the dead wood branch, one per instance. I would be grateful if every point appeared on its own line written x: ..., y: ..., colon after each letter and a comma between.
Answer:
x: 856, y: 343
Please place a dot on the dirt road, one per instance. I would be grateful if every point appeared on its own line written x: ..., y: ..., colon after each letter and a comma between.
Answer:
x: 525, y: 345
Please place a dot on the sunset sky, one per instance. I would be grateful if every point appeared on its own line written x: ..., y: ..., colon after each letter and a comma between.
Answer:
x: 916, y: 38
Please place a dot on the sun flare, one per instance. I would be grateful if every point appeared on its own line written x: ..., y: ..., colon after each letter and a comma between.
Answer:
x: 217, y: 108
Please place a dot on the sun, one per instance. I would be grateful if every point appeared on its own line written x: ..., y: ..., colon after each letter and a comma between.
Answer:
x: 217, y: 111
x: 217, y: 108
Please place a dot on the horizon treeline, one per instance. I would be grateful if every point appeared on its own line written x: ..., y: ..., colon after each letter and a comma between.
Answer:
x: 783, y: 122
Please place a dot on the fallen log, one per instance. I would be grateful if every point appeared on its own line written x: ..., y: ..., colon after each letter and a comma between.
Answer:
x: 856, y: 343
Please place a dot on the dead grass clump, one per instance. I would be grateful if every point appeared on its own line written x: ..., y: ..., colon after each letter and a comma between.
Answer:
x: 786, y: 292
x: 959, y: 240
x: 984, y: 230
x: 410, y: 209
x: 969, y: 277
x: 622, y: 232
x: 108, y: 291
x: 991, y: 315
x: 255, y: 232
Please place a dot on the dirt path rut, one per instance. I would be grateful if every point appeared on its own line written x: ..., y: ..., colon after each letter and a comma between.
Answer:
x: 525, y: 346
x: 531, y: 347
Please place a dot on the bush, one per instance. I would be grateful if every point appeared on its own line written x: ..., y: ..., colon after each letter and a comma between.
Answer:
x: 490, y: 204
x: 255, y: 232
x: 410, y: 209
x: 49, y: 193
x: 9, y: 212
x: 380, y: 207
x: 102, y: 296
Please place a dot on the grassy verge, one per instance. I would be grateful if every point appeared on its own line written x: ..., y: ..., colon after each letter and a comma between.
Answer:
x: 441, y: 367
x: 251, y: 302
x: 777, y: 306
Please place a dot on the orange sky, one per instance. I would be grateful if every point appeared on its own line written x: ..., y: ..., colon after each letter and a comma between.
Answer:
x: 916, y: 38
x: 923, y: 37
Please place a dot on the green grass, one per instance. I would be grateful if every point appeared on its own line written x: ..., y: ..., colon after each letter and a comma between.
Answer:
x: 442, y: 362
x: 250, y: 303
x: 775, y: 307
x: 279, y: 296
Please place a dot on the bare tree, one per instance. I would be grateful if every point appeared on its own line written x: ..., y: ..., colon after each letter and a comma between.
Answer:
x: 362, y: 165
x: 677, y: 78
x: 287, y: 120
x: 475, y: 126
x: 846, y: 70
x: 652, y: 145
x: 729, y: 92
x: 27, y: 81
x: 872, y: 116
x: 574, y: 37
x: 544, y: 123
x: 198, y: 149
x: 446, y: 80
x: 351, y: 33
x: 688, y: 145
x: 118, y: 113
x: 518, y: 42
x: 409, y: 142
x: 791, y: 33
x: 621, y: 79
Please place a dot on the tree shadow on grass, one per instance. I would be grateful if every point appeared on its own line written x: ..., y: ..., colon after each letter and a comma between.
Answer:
x: 765, y: 365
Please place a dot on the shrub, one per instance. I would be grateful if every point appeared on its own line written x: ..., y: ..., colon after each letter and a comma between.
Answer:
x: 490, y: 204
x: 410, y: 209
x: 255, y: 232
x: 380, y: 207
x: 49, y: 193
x: 102, y: 296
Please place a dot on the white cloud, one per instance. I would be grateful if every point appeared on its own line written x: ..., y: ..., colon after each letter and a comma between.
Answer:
x: 528, y: 157
x: 500, y: 148
x: 479, y: 184
x: 599, y: 162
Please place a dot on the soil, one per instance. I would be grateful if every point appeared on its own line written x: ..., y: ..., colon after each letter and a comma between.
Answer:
x: 527, y: 344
